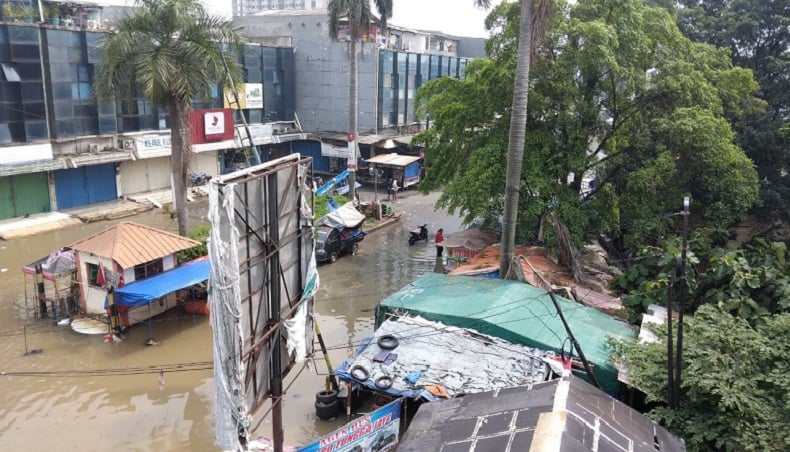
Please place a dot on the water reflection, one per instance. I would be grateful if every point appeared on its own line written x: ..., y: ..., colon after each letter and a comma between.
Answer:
x: 132, y: 412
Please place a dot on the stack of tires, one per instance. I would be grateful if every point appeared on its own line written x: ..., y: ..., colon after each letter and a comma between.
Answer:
x: 326, y: 404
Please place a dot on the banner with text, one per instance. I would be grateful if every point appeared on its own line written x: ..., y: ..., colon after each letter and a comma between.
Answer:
x: 375, y: 432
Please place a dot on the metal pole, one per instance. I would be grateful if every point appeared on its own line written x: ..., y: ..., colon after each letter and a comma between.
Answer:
x: 274, y: 309
x: 41, y: 292
x: 682, y: 300
x: 375, y: 183
x: 670, y: 350
x: 331, y: 377
x: 24, y: 333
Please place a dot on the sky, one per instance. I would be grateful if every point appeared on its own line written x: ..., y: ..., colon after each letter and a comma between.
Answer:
x: 455, y: 17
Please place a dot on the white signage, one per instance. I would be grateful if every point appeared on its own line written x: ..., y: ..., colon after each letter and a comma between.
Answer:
x: 330, y: 150
x: 152, y: 146
x: 214, y: 123
x: 352, y: 156
x: 25, y: 153
x: 254, y: 93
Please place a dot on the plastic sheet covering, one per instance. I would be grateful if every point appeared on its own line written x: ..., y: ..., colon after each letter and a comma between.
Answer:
x: 231, y: 405
x: 296, y: 326
x: 461, y: 360
x: 345, y: 216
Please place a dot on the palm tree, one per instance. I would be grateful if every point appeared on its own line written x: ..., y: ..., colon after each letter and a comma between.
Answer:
x: 359, y: 15
x: 172, y: 52
x: 531, y: 31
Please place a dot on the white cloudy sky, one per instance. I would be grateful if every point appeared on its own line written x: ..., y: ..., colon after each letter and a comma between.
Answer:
x: 456, y: 17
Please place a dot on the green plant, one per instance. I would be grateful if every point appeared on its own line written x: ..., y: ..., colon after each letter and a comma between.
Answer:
x: 201, y: 234
x: 53, y: 11
x: 24, y: 11
x: 8, y: 12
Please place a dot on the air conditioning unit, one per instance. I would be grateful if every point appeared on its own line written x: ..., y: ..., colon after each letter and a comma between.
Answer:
x: 128, y: 145
x: 93, y: 148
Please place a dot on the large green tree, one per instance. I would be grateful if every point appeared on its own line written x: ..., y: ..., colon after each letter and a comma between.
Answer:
x: 757, y: 35
x: 735, y: 390
x: 618, y: 94
x: 358, y: 15
x: 171, y: 52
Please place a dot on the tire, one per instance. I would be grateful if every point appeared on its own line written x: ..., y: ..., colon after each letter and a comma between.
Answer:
x: 354, y: 248
x: 333, y: 257
x: 326, y: 411
x: 326, y: 396
x: 359, y: 373
x: 384, y: 382
x: 412, y: 240
x: 388, y: 342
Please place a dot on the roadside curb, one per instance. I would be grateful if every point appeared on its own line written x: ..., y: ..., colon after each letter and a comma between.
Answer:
x: 386, y: 222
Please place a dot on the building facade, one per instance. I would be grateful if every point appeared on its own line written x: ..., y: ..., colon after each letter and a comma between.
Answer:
x: 391, y: 66
x: 60, y: 149
x: 247, y: 7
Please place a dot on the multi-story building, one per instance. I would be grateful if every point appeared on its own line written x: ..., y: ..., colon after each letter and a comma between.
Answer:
x: 60, y: 149
x: 391, y: 66
x: 247, y: 7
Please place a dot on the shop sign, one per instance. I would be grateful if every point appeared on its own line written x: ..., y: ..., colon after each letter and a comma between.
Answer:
x: 377, y: 431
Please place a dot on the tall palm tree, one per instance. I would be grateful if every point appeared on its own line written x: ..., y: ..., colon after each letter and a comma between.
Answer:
x: 172, y: 52
x: 359, y: 15
x: 532, y: 23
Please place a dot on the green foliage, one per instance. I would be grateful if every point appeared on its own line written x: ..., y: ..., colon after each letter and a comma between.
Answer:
x: 735, y: 390
x: 200, y: 233
x: 322, y: 204
x: 756, y: 35
x: 617, y: 92
x: 751, y: 282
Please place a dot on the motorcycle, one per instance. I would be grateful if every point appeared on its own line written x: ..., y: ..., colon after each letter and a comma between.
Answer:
x: 418, y: 234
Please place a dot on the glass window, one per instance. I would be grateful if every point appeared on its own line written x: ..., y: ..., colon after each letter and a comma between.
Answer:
x: 23, y: 34
x: 34, y: 111
x: 36, y: 130
x: 25, y: 51
x: 9, y: 70
x: 83, y: 72
x: 32, y: 91
x: 80, y: 90
x: 107, y: 125
x: 5, y: 133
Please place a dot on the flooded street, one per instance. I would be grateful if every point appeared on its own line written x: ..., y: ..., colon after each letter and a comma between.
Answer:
x: 140, y: 412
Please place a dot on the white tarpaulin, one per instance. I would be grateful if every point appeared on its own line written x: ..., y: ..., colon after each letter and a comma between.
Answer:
x: 346, y: 216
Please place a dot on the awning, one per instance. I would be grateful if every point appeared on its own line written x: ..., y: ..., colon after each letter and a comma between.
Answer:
x: 140, y: 293
x: 30, y: 167
x: 59, y: 262
x: 392, y: 160
x: 96, y: 159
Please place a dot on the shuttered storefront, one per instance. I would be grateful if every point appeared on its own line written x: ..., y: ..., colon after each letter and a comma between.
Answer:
x: 23, y: 194
x: 145, y: 175
x: 85, y: 185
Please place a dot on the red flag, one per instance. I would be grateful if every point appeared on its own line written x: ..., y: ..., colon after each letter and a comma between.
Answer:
x: 100, y: 277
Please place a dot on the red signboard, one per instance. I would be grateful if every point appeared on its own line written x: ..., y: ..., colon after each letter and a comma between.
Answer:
x: 351, y: 137
x: 210, y: 125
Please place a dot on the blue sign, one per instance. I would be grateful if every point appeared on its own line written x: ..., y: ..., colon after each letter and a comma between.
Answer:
x: 375, y: 432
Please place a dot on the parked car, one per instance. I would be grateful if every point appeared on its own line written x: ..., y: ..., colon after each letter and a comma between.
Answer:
x: 332, y: 243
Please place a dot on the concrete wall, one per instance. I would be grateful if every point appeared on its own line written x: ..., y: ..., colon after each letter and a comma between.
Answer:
x: 321, y: 68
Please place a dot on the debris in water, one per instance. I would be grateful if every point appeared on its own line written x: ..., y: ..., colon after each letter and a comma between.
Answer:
x: 161, y: 380
x: 3, y: 270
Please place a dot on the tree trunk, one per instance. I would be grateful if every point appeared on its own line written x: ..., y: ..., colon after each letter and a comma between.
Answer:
x: 181, y: 150
x: 353, y: 102
x: 515, y: 149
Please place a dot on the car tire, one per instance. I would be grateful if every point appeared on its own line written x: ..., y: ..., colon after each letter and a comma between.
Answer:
x: 333, y: 257
x: 357, y: 370
x: 384, y: 382
x: 326, y: 411
x: 326, y: 396
x: 388, y: 342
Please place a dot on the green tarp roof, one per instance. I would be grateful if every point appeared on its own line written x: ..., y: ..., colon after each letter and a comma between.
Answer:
x: 511, y: 310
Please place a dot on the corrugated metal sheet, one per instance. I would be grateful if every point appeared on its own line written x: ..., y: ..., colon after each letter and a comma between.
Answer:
x: 393, y: 159
x: 85, y: 185
x: 24, y: 194
x: 31, y: 167
x: 130, y: 244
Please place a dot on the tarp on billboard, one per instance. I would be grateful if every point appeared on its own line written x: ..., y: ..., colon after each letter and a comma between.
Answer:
x: 375, y: 432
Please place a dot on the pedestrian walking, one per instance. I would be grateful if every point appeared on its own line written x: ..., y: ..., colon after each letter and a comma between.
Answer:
x: 439, y: 239
x: 389, y: 189
x: 395, y: 189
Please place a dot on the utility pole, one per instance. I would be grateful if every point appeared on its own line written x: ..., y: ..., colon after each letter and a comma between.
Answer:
x: 670, y: 350
x: 681, y: 301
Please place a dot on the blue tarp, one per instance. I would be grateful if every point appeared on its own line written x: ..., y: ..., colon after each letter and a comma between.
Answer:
x: 140, y: 293
x: 327, y: 186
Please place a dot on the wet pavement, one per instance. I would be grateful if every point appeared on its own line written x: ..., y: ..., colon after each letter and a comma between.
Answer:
x: 146, y: 412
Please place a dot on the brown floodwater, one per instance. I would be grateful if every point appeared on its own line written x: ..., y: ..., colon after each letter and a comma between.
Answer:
x: 140, y: 412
